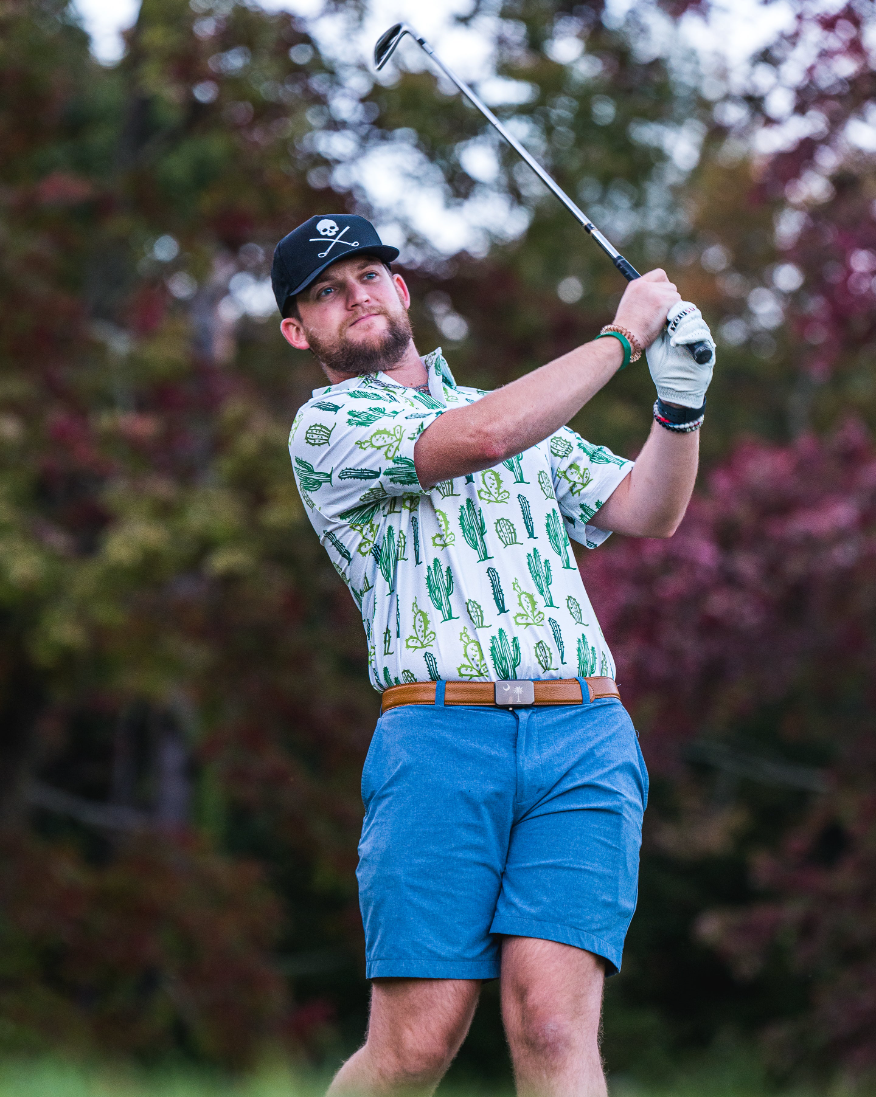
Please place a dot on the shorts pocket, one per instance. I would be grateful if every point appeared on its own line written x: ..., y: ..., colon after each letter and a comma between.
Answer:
x: 367, y: 784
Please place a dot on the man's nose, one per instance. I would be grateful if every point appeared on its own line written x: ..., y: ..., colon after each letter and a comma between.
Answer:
x: 357, y: 294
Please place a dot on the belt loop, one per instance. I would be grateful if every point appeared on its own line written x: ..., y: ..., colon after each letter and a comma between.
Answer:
x: 585, y: 691
x: 440, y: 687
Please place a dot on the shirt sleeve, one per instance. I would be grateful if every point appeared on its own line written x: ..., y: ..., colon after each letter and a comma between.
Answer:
x: 584, y: 476
x: 350, y: 453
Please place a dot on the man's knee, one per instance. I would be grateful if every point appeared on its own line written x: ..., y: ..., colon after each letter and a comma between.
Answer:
x: 538, y: 1032
x: 418, y: 1058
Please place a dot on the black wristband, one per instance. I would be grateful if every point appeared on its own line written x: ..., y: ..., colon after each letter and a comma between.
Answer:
x: 678, y: 416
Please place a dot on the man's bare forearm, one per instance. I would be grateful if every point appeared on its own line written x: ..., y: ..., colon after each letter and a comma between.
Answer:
x: 527, y: 411
x: 511, y: 419
x: 652, y: 500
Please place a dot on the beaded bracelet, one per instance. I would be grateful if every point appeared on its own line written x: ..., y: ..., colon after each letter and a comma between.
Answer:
x: 624, y: 342
x: 679, y: 420
x: 633, y: 341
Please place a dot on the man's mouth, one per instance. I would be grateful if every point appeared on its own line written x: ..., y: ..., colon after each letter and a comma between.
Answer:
x: 367, y: 316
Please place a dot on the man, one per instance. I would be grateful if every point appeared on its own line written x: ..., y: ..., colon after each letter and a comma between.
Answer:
x: 504, y: 787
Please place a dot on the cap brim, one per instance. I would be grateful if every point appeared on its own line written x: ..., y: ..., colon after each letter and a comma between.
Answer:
x: 382, y: 251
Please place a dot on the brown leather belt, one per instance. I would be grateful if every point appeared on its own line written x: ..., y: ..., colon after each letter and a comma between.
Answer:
x: 559, y: 691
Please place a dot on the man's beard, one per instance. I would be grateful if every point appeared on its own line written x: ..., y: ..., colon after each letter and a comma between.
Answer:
x: 380, y: 353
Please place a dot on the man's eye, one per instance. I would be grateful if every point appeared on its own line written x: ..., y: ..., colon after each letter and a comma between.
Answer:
x: 323, y: 292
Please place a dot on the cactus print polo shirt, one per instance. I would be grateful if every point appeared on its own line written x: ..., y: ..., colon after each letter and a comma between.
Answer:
x: 474, y: 580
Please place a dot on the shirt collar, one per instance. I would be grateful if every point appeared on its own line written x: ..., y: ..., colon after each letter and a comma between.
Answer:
x: 436, y: 367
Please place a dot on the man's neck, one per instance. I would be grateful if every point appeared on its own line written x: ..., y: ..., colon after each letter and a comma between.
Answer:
x: 409, y: 371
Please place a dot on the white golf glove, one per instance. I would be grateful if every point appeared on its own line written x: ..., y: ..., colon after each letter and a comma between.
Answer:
x: 679, y: 379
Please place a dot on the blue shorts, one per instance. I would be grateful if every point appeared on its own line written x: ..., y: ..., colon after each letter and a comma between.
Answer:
x: 488, y: 821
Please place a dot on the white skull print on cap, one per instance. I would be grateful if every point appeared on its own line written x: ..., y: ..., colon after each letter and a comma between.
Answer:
x: 328, y: 230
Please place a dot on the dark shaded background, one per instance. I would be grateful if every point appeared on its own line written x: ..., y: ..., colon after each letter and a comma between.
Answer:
x: 183, y: 688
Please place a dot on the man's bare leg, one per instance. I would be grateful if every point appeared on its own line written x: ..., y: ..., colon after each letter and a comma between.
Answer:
x: 415, y: 1029
x: 551, y: 1006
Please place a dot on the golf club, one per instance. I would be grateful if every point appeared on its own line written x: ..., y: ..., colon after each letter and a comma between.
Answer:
x: 384, y: 49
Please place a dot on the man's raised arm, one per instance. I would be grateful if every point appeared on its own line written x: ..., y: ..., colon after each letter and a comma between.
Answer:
x: 525, y: 412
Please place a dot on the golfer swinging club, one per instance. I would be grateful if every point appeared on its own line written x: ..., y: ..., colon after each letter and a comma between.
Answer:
x: 504, y: 787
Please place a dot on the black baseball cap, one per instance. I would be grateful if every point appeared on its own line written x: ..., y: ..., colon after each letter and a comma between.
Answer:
x: 315, y: 245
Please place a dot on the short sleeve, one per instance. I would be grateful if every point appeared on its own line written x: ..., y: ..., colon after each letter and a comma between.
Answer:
x: 584, y: 477
x: 351, y: 452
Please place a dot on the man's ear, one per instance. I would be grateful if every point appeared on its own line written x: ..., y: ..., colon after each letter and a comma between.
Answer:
x: 293, y: 333
x: 402, y: 290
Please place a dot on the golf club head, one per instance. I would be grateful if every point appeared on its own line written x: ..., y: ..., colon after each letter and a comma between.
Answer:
x: 387, y: 42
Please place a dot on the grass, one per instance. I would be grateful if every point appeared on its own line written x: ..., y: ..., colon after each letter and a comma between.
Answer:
x: 57, y: 1078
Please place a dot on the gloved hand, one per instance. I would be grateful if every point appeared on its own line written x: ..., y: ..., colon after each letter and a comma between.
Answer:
x: 679, y: 379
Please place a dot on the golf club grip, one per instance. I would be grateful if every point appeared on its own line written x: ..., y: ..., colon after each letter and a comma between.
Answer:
x: 701, y: 351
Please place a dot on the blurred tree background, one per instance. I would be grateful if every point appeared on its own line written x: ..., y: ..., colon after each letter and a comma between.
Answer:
x: 183, y: 684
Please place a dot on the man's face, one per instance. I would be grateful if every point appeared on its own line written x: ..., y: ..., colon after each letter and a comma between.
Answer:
x: 353, y: 317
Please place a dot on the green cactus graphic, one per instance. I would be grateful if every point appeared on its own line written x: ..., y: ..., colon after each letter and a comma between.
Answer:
x: 409, y: 677
x: 387, y: 642
x: 383, y: 394
x: 577, y: 478
x: 470, y: 478
x: 560, y: 447
x: 427, y: 400
x: 515, y: 466
x: 558, y: 538
x: 440, y: 586
x: 390, y: 681
x: 599, y: 455
x: 431, y: 665
x: 325, y: 405
x: 387, y: 440
x: 415, y: 527
x: 386, y: 555
x: 574, y: 608
x: 506, y: 532
x: 402, y: 545
x: 368, y: 531
x: 471, y: 519
x: 586, y: 658
x: 526, y: 511
x: 445, y: 536
x: 371, y: 502
x: 423, y: 635
x: 505, y: 656
x: 544, y: 482
x: 359, y: 474
x: 492, y: 491
x: 604, y: 668
x: 545, y: 657
x: 402, y: 471
x: 309, y: 478
x: 498, y: 593
x: 339, y: 547
x: 367, y: 417
x: 445, y: 489
x: 474, y: 665
x: 540, y: 570
x: 475, y: 612
x: 529, y: 613
x: 418, y: 430
x: 308, y: 502
x: 558, y: 638
x: 587, y: 512
x: 318, y: 434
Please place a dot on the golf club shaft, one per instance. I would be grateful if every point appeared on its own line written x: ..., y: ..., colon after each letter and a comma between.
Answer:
x: 700, y: 351
x: 626, y: 268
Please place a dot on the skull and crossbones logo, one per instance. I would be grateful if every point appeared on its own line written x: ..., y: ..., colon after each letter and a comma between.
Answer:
x: 328, y: 231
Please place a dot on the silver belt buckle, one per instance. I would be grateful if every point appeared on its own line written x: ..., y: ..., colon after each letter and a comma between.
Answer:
x: 514, y: 693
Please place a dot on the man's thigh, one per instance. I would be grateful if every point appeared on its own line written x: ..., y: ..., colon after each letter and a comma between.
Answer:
x: 438, y: 788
